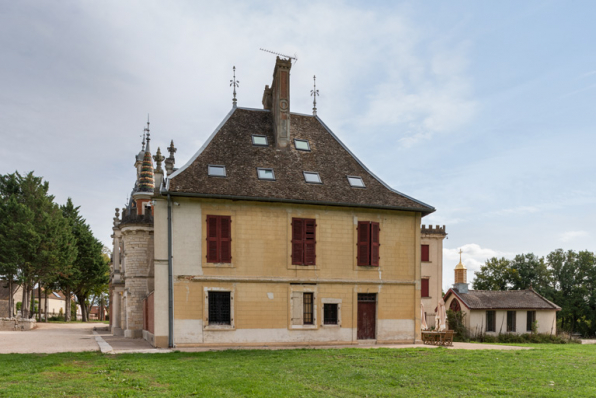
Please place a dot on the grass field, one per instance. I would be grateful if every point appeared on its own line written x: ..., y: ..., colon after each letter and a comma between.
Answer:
x: 547, y: 370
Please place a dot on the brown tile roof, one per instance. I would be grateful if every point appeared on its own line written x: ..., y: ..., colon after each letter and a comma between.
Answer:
x: 503, y: 299
x: 231, y: 145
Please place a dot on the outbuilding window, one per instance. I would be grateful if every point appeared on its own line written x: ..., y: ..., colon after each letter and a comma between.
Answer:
x: 219, y: 239
x: 511, y: 321
x: 368, y: 243
x: 530, y: 320
x: 491, y: 320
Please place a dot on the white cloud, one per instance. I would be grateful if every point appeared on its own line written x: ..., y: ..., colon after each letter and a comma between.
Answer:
x: 571, y: 235
x: 473, y: 257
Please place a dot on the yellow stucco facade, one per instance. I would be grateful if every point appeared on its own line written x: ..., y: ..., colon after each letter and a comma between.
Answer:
x: 265, y: 287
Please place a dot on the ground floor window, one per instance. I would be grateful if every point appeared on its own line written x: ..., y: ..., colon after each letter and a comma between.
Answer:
x: 219, y: 308
x: 511, y: 321
x: 330, y: 314
x: 490, y: 321
x: 531, y: 320
x: 307, y: 308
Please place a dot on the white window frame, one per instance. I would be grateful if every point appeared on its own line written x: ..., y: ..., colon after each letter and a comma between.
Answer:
x: 304, y: 173
x: 296, y: 293
x: 259, y: 136
x: 330, y: 301
x: 206, y: 326
x: 265, y: 179
x: 217, y: 166
x: 356, y: 186
x: 301, y: 140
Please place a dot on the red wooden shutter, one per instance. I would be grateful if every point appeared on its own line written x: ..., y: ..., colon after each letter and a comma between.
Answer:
x: 297, y: 241
x: 363, y: 243
x: 425, y: 253
x: 212, y: 241
x: 310, y: 242
x: 225, y: 239
x: 374, y: 243
x: 424, y: 288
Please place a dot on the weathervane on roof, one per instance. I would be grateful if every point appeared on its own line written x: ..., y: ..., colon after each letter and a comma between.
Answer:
x: 295, y: 57
x: 314, y: 93
x: 235, y: 83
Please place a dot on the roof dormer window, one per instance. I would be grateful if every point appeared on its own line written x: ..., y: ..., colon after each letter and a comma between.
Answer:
x: 312, y: 177
x: 356, y: 182
x: 302, y: 145
x: 265, y: 174
x: 260, y: 140
x: 216, y: 170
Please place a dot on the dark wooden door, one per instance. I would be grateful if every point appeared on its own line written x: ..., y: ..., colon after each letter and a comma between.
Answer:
x: 366, y: 320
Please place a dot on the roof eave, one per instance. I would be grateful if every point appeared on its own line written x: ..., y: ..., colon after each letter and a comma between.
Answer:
x: 424, y: 211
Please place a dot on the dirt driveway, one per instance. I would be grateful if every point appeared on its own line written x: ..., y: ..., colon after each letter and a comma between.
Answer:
x: 49, y: 338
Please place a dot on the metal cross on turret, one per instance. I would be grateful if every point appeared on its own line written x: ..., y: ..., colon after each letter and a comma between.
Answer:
x: 235, y: 83
x: 147, y: 132
x: 314, y: 93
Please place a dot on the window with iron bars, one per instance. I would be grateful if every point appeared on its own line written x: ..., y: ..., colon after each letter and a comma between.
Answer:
x: 219, y: 308
x: 307, y: 308
x: 330, y: 314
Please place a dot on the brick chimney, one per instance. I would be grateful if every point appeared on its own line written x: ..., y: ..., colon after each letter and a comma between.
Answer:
x: 277, y: 98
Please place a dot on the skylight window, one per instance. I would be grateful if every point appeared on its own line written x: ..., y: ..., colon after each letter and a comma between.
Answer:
x: 302, y: 145
x: 356, y: 182
x: 312, y: 177
x: 260, y: 140
x: 265, y: 174
x: 216, y: 171
x: 56, y: 294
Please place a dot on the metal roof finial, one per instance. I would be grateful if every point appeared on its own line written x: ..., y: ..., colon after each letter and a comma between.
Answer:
x: 314, y: 93
x: 235, y: 83
x: 147, y: 132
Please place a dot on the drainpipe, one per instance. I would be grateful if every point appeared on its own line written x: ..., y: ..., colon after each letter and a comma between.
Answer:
x: 170, y: 279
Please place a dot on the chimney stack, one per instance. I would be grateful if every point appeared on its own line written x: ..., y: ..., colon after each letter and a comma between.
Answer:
x: 277, y: 98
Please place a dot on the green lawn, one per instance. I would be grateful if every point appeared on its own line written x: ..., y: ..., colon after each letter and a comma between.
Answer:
x: 547, y: 370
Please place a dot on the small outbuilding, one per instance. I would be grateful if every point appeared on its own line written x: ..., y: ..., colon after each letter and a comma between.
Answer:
x: 500, y: 311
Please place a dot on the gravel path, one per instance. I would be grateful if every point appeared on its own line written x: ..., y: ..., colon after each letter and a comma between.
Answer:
x: 50, y: 338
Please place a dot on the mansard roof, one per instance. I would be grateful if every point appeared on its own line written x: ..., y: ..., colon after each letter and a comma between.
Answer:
x: 503, y: 300
x: 231, y: 146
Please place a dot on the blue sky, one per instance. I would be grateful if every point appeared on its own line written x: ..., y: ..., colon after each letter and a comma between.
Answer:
x: 484, y: 110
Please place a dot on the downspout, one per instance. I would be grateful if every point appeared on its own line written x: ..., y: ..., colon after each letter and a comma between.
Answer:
x: 170, y: 279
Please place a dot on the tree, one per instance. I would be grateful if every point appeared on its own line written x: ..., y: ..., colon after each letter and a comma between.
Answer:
x: 528, y: 270
x: 495, y: 274
x: 90, y: 269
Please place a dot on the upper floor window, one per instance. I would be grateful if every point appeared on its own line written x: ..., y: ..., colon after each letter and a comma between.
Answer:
x: 302, y: 145
x: 216, y: 170
x: 356, y: 182
x: 260, y: 140
x: 368, y: 243
x: 304, y: 241
x: 219, y: 239
x: 425, y: 253
x: 266, y: 174
x: 312, y: 177
x: 424, y: 287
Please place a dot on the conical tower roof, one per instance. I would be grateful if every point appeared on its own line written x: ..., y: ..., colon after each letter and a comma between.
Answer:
x: 147, y: 180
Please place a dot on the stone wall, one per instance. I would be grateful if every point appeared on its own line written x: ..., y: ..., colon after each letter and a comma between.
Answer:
x: 8, y: 324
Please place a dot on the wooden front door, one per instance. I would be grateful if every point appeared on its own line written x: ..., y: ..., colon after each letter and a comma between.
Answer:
x: 367, y: 314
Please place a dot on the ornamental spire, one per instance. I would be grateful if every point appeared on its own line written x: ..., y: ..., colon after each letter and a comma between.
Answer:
x: 147, y: 132
x: 314, y: 94
x: 234, y: 83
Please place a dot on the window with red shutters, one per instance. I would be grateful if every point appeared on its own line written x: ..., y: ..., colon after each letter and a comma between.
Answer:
x: 304, y: 241
x: 425, y: 256
x: 424, y: 288
x: 368, y: 243
x: 219, y: 239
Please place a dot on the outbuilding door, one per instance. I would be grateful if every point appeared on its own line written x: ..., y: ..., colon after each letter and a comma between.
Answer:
x: 367, y: 314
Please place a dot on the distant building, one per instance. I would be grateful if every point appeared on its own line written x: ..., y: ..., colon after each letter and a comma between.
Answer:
x: 272, y: 233
x: 494, y: 311
x: 431, y: 273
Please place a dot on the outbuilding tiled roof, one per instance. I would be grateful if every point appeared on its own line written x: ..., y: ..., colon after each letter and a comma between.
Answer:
x: 503, y: 299
x: 231, y: 146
